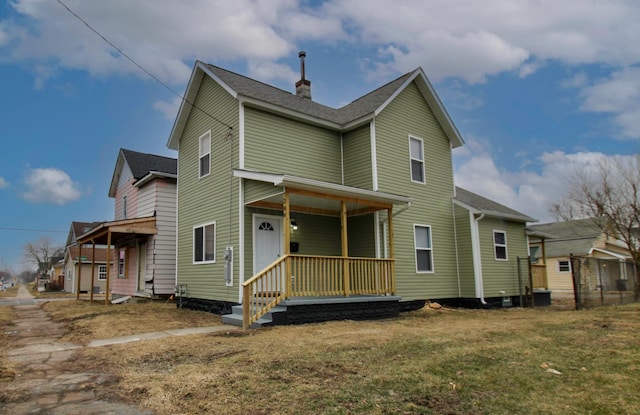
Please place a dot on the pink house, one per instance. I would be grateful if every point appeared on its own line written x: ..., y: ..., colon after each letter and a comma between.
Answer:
x: 142, y: 237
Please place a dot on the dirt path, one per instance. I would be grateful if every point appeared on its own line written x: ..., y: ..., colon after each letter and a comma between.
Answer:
x: 49, y: 380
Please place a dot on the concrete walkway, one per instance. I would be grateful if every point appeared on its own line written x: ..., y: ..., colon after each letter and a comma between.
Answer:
x: 46, y: 382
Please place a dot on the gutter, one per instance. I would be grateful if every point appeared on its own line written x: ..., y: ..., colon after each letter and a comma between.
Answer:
x: 477, y: 261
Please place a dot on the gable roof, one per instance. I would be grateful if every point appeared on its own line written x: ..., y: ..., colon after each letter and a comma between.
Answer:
x: 481, y: 204
x: 259, y: 94
x: 143, y: 166
x: 569, y: 237
x: 77, y: 229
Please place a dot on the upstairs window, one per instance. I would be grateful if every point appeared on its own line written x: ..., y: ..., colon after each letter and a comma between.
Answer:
x: 205, y: 154
x: 500, y: 245
x: 424, y: 250
x: 124, y: 207
x: 416, y: 150
x: 204, y: 243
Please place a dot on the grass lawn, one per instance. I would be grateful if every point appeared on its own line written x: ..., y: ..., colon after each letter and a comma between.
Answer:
x: 448, y: 361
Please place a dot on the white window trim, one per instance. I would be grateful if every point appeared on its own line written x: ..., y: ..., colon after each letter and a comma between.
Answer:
x: 122, y: 274
x: 424, y: 173
x: 100, y: 267
x: 208, y: 136
x: 215, y: 243
x: 415, y: 248
x: 495, y: 245
x: 568, y: 263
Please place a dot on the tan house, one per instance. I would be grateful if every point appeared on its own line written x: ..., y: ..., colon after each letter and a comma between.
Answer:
x: 97, y: 265
x: 605, y: 260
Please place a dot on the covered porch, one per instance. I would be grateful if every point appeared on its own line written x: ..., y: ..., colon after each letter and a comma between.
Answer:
x: 296, y: 276
x: 114, y: 234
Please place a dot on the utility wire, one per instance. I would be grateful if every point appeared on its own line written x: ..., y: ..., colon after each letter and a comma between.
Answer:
x: 142, y: 68
x: 30, y: 230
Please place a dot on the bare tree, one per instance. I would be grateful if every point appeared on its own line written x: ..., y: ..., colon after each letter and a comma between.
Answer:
x: 609, y: 192
x: 40, y: 252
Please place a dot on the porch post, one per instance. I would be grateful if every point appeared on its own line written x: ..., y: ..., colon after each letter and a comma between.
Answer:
x: 544, y: 260
x: 392, y: 283
x: 93, y: 268
x: 79, y: 271
x: 287, y: 244
x: 106, y: 291
x: 345, y: 248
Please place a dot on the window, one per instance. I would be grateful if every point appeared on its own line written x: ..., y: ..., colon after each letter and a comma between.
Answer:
x: 204, y: 243
x: 102, y: 272
x: 205, y: 154
x: 564, y: 265
x: 124, y: 207
x: 424, y: 250
x: 500, y: 245
x: 69, y: 274
x: 417, y: 159
x: 122, y: 254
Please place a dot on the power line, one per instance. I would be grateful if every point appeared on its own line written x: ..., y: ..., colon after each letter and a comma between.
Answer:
x: 30, y: 230
x: 142, y: 68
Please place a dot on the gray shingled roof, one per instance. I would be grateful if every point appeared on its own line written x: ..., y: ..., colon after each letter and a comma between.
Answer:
x: 142, y: 164
x: 257, y: 90
x: 570, y: 237
x: 79, y: 228
x: 488, y: 206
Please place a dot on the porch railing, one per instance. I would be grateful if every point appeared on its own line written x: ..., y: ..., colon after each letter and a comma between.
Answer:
x: 314, y: 276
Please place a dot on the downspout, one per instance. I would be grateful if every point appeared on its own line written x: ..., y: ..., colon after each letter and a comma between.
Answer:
x: 477, y: 261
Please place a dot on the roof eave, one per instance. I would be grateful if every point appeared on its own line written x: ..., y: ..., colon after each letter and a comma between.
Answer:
x: 257, y: 103
x: 191, y: 91
x: 154, y: 175
x: 113, y: 187
x: 310, y: 184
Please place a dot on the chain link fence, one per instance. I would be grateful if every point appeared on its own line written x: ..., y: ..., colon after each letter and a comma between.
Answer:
x: 599, y: 281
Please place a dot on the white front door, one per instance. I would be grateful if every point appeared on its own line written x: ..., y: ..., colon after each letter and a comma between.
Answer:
x: 267, y: 242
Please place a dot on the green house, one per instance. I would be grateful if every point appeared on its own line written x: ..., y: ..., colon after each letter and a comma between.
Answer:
x: 292, y: 211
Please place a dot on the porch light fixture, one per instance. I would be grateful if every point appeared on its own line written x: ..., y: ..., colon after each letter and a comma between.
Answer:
x: 294, y: 225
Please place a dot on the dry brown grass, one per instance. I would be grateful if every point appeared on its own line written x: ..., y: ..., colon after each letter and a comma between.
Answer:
x: 10, y: 293
x: 92, y: 321
x: 449, y: 361
x: 440, y: 362
x: 6, y: 318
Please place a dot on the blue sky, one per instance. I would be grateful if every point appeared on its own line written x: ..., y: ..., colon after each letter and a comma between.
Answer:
x: 537, y: 88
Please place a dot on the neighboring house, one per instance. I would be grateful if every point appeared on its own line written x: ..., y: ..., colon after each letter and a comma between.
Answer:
x: 582, y: 238
x: 74, y: 261
x: 330, y: 212
x: 56, y: 272
x: 491, y: 239
x: 142, y: 237
x: 68, y: 269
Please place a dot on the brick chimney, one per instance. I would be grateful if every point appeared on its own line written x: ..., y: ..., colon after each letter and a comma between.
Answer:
x: 303, y: 86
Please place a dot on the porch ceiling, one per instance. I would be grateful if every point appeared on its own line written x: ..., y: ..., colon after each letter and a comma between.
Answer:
x: 322, y: 198
x: 119, y: 230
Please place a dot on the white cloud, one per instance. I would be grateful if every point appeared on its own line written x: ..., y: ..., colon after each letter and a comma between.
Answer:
x: 50, y: 185
x: 463, y: 38
x: 619, y: 95
x: 168, y: 108
x: 531, y: 190
x: 3, y: 183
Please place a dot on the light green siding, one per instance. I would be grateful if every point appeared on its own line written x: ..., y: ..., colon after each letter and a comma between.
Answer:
x: 465, y: 253
x: 501, y: 275
x: 357, y: 158
x: 317, y: 235
x: 361, y: 232
x: 276, y: 144
x: 407, y: 115
x: 211, y: 198
x: 255, y: 190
